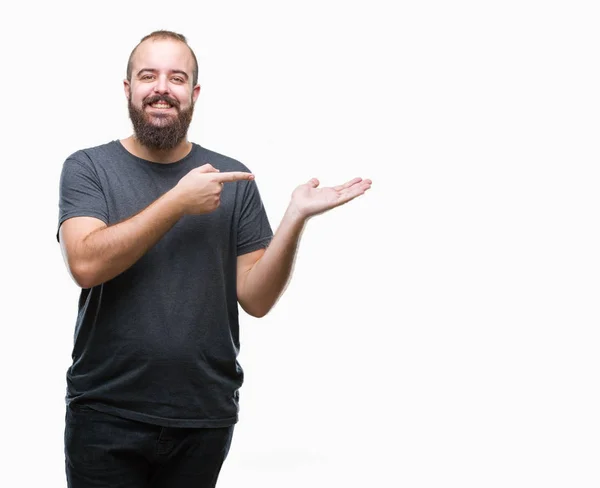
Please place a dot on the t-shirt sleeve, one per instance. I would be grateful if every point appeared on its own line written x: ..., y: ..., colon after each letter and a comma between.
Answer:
x: 254, y: 230
x: 80, y: 193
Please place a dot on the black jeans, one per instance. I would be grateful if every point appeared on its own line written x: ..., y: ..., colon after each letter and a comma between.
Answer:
x: 103, y: 450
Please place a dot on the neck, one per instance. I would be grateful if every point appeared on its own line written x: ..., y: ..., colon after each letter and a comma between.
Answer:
x: 157, y: 156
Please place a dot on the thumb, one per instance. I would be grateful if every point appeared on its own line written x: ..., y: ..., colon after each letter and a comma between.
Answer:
x: 207, y: 168
x: 313, y: 182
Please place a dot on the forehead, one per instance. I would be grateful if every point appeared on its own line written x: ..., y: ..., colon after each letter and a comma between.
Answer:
x: 163, y: 54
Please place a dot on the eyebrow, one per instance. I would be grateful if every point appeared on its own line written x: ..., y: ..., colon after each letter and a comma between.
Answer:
x: 174, y: 71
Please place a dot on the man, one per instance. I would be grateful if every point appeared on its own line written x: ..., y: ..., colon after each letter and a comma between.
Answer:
x: 165, y: 238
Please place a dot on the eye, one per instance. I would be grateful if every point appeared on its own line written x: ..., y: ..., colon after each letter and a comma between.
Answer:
x: 146, y: 77
x: 178, y: 79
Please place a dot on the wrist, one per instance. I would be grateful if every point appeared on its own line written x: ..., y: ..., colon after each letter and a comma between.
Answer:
x: 295, y: 214
x: 174, y: 202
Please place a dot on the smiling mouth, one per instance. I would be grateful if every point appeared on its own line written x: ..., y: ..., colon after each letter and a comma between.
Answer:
x: 161, y: 105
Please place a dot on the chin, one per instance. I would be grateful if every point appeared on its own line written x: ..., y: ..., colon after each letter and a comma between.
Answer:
x: 161, y: 120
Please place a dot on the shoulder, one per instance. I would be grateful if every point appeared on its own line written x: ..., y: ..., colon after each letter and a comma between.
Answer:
x: 91, y: 155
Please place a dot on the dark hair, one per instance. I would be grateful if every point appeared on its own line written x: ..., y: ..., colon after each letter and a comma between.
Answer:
x: 165, y: 34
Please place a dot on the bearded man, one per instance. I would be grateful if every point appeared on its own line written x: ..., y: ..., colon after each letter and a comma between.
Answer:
x: 166, y: 239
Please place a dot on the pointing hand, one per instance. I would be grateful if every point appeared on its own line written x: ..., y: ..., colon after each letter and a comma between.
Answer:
x: 200, y: 190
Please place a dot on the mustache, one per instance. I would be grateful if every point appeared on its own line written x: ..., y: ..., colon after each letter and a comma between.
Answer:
x: 161, y: 98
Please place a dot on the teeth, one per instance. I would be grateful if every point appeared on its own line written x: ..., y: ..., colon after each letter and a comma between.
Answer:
x: 161, y: 105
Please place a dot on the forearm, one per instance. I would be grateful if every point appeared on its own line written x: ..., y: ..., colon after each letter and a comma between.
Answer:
x: 267, y: 279
x: 107, y: 252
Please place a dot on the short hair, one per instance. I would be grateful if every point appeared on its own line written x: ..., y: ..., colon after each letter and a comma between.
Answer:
x: 164, y: 34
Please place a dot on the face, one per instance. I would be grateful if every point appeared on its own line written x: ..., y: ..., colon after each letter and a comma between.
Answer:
x: 160, y: 95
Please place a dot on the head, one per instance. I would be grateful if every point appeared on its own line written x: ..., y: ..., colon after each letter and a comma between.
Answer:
x: 161, y: 89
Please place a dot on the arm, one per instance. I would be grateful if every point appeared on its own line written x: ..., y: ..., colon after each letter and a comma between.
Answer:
x: 95, y: 253
x: 263, y: 275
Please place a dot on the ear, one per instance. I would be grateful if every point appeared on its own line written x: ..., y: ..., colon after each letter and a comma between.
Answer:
x: 127, y: 88
x: 196, y: 93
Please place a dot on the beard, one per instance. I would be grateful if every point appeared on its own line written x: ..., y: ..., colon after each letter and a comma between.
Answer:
x: 160, y: 132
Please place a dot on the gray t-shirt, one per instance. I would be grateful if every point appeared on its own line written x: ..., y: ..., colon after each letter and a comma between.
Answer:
x: 159, y: 342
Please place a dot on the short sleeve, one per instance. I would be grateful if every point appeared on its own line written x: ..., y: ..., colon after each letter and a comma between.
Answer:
x: 254, y: 230
x: 80, y: 193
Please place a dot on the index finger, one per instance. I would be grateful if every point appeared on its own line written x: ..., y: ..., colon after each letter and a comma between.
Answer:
x: 233, y: 176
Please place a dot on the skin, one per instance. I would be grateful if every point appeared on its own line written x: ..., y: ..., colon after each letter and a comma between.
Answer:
x: 95, y: 253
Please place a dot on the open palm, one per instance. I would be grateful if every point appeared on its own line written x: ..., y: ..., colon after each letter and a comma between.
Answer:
x: 311, y: 200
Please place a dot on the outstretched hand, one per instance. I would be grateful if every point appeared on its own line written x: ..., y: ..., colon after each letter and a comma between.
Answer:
x: 309, y: 200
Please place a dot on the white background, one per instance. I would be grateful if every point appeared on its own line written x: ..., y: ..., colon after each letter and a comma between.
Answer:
x: 441, y: 330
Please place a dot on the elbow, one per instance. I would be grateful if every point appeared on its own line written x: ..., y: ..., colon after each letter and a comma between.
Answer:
x: 83, y: 275
x: 258, y: 314
x: 85, y: 284
x: 256, y: 311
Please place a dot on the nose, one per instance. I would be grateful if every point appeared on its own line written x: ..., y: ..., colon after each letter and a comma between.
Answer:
x: 162, y: 85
